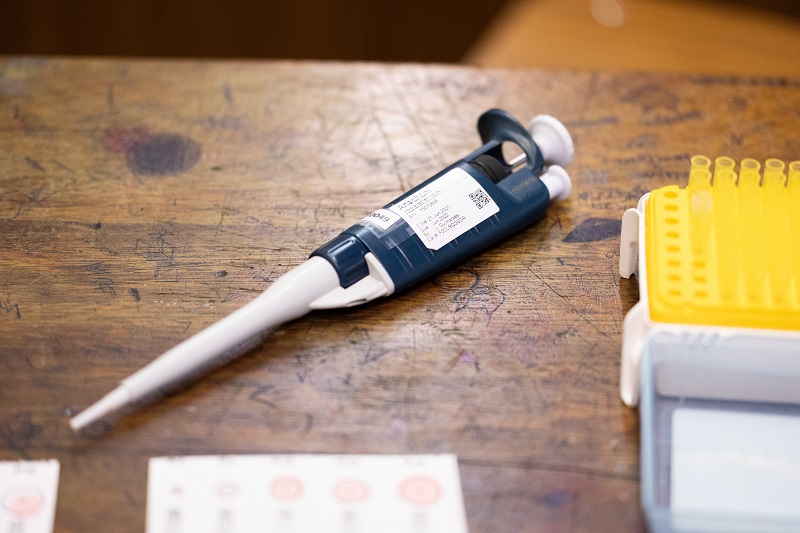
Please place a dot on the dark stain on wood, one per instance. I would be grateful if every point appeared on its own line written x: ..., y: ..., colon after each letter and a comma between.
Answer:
x: 164, y: 154
x: 595, y: 229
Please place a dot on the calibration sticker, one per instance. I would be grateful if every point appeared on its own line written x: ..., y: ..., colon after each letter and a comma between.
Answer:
x: 383, y: 218
x: 443, y: 210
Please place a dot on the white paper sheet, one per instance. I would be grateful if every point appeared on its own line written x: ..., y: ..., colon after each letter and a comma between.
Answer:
x: 28, y: 494
x: 305, y: 493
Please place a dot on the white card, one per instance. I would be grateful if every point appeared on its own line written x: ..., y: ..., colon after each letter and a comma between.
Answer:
x: 28, y: 493
x: 305, y: 494
x: 732, y: 464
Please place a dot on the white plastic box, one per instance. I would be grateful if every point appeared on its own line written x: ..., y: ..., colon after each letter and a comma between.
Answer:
x: 720, y: 435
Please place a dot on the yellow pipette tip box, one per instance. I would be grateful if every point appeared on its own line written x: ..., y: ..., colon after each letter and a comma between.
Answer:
x: 719, y: 256
x: 711, y: 352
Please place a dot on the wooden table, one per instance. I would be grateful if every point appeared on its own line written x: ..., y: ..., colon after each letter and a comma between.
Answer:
x: 142, y: 201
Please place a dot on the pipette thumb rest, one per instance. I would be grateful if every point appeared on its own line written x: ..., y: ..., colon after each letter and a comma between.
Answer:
x: 470, y: 205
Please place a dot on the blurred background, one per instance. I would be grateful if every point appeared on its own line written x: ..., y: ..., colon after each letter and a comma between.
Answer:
x: 715, y: 36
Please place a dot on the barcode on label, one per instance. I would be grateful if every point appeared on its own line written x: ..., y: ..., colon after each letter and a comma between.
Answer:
x: 480, y: 198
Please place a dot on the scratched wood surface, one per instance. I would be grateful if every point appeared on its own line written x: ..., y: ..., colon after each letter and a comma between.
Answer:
x: 142, y: 201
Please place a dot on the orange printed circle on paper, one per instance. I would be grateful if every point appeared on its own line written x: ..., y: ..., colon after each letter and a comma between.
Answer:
x: 227, y: 489
x: 24, y: 502
x: 420, y: 489
x: 351, y: 491
x: 287, y: 488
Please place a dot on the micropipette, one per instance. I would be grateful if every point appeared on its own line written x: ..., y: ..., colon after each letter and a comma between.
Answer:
x: 470, y: 205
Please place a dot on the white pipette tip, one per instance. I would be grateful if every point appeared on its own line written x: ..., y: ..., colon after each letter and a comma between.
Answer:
x: 106, y: 405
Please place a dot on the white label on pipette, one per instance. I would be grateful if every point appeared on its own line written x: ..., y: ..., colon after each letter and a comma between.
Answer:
x: 28, y: 493
x: 446, y: 208
x: 305, y: 494
x: 383, y: 218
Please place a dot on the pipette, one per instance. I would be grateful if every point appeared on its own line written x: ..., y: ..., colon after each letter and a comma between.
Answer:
x: 468, y: 206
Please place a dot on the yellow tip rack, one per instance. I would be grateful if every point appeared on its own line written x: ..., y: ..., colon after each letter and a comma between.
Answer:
x: 711, y: 352
x: 724, y: 251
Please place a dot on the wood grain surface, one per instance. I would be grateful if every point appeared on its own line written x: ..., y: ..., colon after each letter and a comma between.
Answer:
x: 140, y: 201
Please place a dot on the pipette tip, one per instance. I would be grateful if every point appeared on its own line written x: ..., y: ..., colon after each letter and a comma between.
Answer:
x: 106, y: 405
